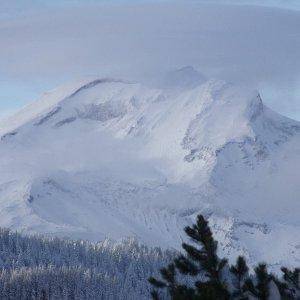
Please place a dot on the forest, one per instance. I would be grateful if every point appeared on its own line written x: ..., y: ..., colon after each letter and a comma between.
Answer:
x: 35, y: 267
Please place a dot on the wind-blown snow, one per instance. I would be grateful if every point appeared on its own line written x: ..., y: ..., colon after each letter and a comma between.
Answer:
x: 110, y: 158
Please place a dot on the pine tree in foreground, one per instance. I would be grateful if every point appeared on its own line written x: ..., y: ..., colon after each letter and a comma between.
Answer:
x: 200, y: 260
x: 240, y: 273
x: 290, y: 286
x: 207, y: 277
x: 260, y: 290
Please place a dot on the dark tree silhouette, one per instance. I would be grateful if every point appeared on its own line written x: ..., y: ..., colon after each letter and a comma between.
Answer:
x: 200, y: 260
x: 290, y: 286
x: 207, y: 277
x: 259, y: 289
x: 240, y: 272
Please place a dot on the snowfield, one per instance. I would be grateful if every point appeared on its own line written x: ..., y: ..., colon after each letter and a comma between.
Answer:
x: 109, y: 158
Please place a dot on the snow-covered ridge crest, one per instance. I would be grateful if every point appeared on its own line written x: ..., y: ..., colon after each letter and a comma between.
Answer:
x: 147, y: 160
x: 187, y: 128
x: 215, y: 99
x: 49, y: 101
x: 237, y: 120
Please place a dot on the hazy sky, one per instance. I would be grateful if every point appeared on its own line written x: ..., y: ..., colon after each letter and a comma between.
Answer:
x: 46, y: 43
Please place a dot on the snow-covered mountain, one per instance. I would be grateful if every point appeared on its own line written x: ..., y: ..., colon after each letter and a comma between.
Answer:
x: 109, y: 158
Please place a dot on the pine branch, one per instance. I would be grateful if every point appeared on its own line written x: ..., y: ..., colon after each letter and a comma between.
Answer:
x: 292, y: 277
x: 240, y: 271
x: 156, y: 283
x: 249, y: 287
x: 185, y: 266
x: 194, y: 253
x: 154, y: 295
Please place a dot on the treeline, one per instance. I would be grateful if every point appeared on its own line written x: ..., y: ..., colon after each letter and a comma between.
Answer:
x: 34, y: 267
x: 200, y: 274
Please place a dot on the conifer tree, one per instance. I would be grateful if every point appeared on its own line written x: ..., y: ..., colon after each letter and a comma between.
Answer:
x: 200, y: 260
x: 290, y: 286
x: 176, y: 291
x: 211, y: 281
x: 259, y: 289
x: 240, y: 272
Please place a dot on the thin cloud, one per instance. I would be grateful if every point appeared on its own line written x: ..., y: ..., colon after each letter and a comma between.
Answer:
x: 255, y: 46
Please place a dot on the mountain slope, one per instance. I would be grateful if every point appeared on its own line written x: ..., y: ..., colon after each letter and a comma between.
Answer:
x: 109, y: 158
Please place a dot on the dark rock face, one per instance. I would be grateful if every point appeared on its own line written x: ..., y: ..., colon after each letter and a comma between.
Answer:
x: 8, y: 135
x: 48, y: 116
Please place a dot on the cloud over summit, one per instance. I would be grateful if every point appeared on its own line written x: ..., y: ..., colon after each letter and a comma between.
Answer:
x: 255, y: 46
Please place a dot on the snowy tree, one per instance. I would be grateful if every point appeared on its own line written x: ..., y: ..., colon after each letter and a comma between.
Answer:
x: 34, y: 267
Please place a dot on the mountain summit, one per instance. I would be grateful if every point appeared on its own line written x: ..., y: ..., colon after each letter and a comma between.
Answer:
x: 186, y: 77
x: 110, y: 158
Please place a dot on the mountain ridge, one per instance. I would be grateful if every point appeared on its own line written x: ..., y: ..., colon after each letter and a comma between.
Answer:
x: 110, y: 158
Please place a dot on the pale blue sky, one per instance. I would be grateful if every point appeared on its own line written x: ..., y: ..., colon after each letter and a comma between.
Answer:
x: 45, y: 43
